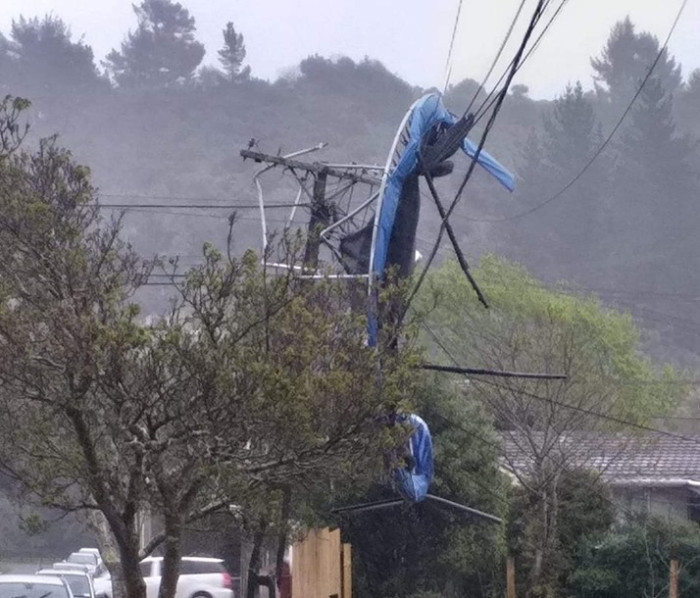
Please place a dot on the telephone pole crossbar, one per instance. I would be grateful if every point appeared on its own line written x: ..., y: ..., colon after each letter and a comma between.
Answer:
x: 315, y: 167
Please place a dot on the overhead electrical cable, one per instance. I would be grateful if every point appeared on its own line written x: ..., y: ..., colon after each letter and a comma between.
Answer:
x: 448, y: 63
x: 497, y: 57
x: 537, y: 13
x: 163, y: 197
x: 536, y: 397
x: 596, y: 414
x: 489, y: 100
x: 189, y: 206
x: 607, y: 140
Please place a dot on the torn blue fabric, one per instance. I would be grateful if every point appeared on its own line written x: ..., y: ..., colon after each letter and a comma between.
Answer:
x: 413, y: 484
x: 425, y: 113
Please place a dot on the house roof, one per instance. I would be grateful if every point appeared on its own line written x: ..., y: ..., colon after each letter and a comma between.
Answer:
x: 622, y: 460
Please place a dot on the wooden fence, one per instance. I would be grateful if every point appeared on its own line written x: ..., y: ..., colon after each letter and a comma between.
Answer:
x: 321, y: 566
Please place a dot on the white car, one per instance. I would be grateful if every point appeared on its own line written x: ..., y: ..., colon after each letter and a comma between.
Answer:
x: 34, y: 586
x: 100, y: 563
x: 103, y: 585
x: 80, y: 582
x: 199, y: 578
x: 84, y: 558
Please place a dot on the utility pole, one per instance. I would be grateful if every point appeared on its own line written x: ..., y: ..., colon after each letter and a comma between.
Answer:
x: 320, y: 217
x: 322, y: 208
x: 673, y: 580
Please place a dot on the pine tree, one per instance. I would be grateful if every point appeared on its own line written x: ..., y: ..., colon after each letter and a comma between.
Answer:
x: 40, y: 54
x: 554, y: 155
x: 688, y: 104
x: 626, y: 59
x: 571, y: 132
x: 161, y: 52
x: 233, y: 53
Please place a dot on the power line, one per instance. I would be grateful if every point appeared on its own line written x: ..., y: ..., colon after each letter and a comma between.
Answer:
x: 163, y: 197
x: 196, y: 215
x: 605, y: 143
x: 514, y: 64
x: 537, y: 13
x: 448, y: 65
x: 479, y: 437
x: 604, y: 416
x: 577, y: 408
x: 498, y: 55
x: 481, y: 111
x: 188, y: 206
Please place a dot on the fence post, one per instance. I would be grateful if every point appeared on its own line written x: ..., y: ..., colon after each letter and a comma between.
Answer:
x: 510, y: 577
x: 673, y: 582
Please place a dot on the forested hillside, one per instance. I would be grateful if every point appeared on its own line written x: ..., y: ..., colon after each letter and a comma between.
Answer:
x: 608, y: 180
x: 167, y: 135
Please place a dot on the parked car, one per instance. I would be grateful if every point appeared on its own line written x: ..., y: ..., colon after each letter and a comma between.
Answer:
x: 85, y: 558
x: 200, y: 577
x: 103, y: 585
x: 34, y: 586
x: 101, y: 569
x: 80, y: 582
x: 63, y: 565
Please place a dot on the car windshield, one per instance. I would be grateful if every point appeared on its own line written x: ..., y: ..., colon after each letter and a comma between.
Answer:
x: 82, y: 559
x: 17, y: 589
x: 78, y: 584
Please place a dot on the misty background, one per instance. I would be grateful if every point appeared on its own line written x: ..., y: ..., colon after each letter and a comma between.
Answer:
x: 159, y: 129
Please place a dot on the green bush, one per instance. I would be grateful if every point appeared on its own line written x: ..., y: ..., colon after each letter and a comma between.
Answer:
x: 634, y: 561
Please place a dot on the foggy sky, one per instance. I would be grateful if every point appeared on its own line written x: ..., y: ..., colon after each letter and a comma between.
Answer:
x: 410, y: 37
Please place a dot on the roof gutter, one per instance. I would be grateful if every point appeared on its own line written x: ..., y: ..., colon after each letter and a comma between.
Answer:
x: 653, y: 483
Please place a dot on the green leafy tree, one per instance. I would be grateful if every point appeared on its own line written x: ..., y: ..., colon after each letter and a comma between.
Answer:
x: 634, y: 561
x: 587, y: 513
x: 41, y: 55
x: 65, y: 283
x: 402, y: 550
x: 530, y: 328
x: 233, y: 54
x: 251, y: 380
x: 161, y: 52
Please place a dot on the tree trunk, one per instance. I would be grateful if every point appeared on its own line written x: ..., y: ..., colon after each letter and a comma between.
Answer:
x: 171, y: 556
x: 553, y: 533
x: 118, y: 541
x: 109, y: 551
x: 132, y: 579
x: 254, y: 565
x: 282, y: 536
x: 541, y: 541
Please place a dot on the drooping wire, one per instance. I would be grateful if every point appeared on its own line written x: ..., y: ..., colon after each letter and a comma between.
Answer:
x: 190, y: 206
x: 537, y: 13
x: 497, y: 57
x: 550, y: 401
x: 607, y: 140
x: 479, y: 437
x: 489, y: 100
x: 448, y: 63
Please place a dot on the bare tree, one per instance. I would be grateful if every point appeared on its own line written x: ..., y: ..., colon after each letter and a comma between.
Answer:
x: 532, y: 329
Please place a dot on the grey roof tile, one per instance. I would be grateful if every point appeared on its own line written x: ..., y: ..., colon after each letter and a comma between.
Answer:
x: 615, y: 456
